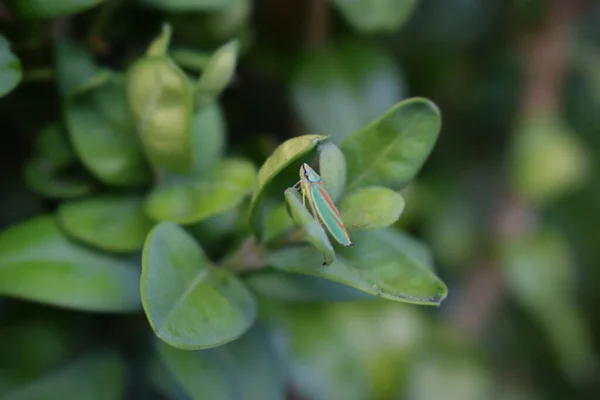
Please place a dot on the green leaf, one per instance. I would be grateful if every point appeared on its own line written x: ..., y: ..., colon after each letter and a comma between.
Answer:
x: 110, y: 223
x: 189, y: 303
x: 51, y: 144
x: 379, y: 263
x: 161, y: 99
x: 244, y: 369
x: 282, y: 286
x: 380, y: 16
x: 38, y: 263
x: 190, y: 199
x: 338, y: 91
x: 217, y: 73
x: 191, y: 5
x: 332, y: 168
x: 52, y: 9
x: 103, y: 134
x: 313, y: 232
x: 280, y: 171
x: 208, y: 137
x: 160, y: 45
x: 371, y: 207
x: 391, y: 150
x: 10, y: 68
x: 92, y: 377
x: 74, y: 64
x: 547, y: 159
x: 277, y: 223
x: 43, y: 178
x: 31, y: 346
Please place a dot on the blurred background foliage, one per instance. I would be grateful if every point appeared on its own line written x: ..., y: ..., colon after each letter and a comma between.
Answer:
x: 507, y: 201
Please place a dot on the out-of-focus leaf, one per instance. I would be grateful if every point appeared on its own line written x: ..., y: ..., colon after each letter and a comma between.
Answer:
x: 208, y: 137
x: 161, y: 99
x: 103, y: 134
x: 371, y: 16
x: 391, y: 150
x: 279, y: 172
x: 189, y: 303
x: 190, y: 199
x: 371, y: 207
x: 160, y: 45
x: 37, y: 262
x: 110, y: 223
x: 313, y: 232
x: 547, y: 159
x: 333, y: 351
x: 10, y: 68
x: 332, y: 168
x: 246, y: 368
x: 381, y: 263
x: 74, y: 64
x: 227, y: 22
x: 51, y: 144
x: 282, y: 286
x: 214, y: 229
x: 92, y: 377
x: 539, y: 270
x: 31, y: 347
x: 217, y: 73
x: 337, y: 92
x: 42, y: 178
x: 52, y: 9
x: 447, y: 369
x: 163, y: 381
x: 191, y: 5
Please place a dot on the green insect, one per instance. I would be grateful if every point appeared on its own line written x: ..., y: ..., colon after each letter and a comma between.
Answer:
x: 322, y: 206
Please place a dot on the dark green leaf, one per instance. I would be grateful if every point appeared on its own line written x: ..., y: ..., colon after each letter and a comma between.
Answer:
x: 313, y: 232
x: 371, y: 207
x: 42, y: 178
x: 93, y: 377
x: 379, y: 263
x: 110, y: 223
x: 332, y: 168
x: 208, y: 137
x: 103, y: 134
x: 337, y: 92
x: 161, y: 99
x: 217, y: 73
x: 189, y: 199
x: 244, y: 369
x: 382, y: 16
x: 37, y: 262
x: 52, y: 9
x: 280, y: 171
x: 282, y: 286
x: 391, y: 150
x: 191, y: 5
x: 31, y: 347
x: 10, y: 68
x: 52, y: 145
x: 75, y: 66
x: 189, y: 303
